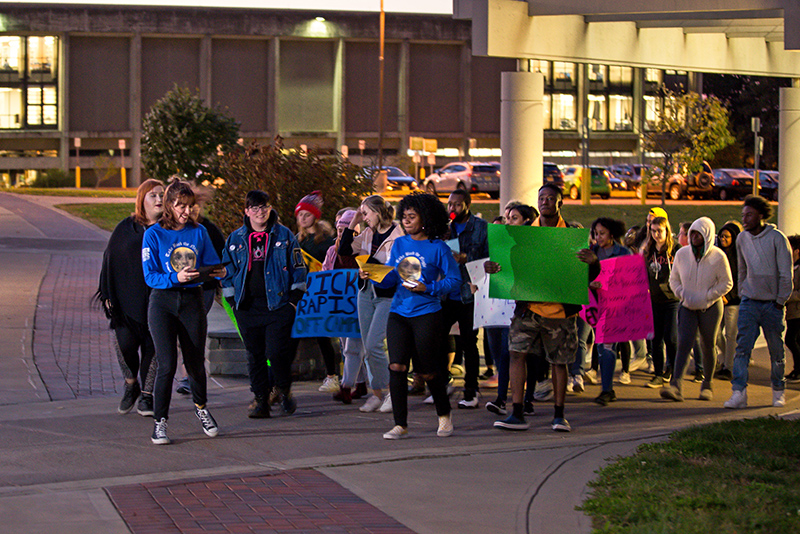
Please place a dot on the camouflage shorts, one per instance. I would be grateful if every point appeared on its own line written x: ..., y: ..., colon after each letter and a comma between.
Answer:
x: 557, y: 339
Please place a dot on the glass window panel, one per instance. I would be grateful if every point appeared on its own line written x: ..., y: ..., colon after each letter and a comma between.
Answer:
x: 651, y: 105
x: 50, y: 115
x: 10, y: 58
x: 34, y: 117
x: 42, y: 51
x: 621, y: 112
x: 620, y: 75
x: 597, y: 112
x: 564, y: 112
x: 547, y: 113
x: 540, y: 65
x: 10, y: 108
x: 597, y: 73
x: 564, y: 72
x: 653, y: 75
x: 49, y: 95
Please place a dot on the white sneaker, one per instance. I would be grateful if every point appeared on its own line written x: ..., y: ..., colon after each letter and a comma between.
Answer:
x: 577, y: 384
x: 469, y: 404
x: 738, y: 400
x: 778, y: 398
x: 651, y: 368
x: 543, y: 391
x: 570, y: 385
x: 591, y: 376
x: 330, y: 385
x: 372, y: 404
x: 428, y: 400
x: 624, y: 378
x: 637, y: 363
x: 445, y: 426
x: 386, y: 405
x: 398, y: 432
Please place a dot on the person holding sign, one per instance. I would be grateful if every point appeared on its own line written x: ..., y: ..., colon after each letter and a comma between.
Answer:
x: 374, y: 302
x: 266, y: 279
x: 425, y: 270
x: 700, y: 277
x: 176, y: 307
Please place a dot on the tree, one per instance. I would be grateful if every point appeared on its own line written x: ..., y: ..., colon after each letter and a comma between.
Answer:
x: 287, y: 176
x: 181, y: 134
x: 690, y: 129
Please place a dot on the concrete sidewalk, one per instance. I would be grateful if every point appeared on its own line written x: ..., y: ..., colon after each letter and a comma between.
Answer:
x: 75, y: 465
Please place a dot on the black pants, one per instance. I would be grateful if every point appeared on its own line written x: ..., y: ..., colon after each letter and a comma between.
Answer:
x: 178, y: 315
x: 418, y: 340
x: 267, y: 337
x: 793, y: 341
x: 135, y: 352
x: 456, y: 311
x: 665, y: 335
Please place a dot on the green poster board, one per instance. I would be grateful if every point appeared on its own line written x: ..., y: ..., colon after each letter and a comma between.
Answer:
x: 539, y: 264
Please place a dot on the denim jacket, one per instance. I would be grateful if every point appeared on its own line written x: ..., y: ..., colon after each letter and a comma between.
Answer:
x: 284, y: 270
x: 474, y: 242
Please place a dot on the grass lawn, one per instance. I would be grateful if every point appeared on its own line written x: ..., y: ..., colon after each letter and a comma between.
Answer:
x: 106, y: 216
x: 71, y: 192
x: 733, y: 477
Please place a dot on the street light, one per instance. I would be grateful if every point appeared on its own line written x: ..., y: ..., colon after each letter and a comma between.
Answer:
x: 755, y: 126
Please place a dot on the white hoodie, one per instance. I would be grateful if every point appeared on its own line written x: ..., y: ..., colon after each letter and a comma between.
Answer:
x: 700, y: 283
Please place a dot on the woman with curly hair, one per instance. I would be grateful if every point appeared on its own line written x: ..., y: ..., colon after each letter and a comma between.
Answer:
x: 424, y: 270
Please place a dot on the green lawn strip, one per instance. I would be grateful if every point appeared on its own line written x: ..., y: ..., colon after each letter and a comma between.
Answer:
x: 105, y: 216
x: 733, y: 477
x: 69, y: 192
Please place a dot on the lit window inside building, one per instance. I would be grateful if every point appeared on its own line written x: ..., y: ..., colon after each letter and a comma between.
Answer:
x: 28, y: 82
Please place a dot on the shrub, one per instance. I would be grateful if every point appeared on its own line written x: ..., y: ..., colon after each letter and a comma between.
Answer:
x: 53, y: 178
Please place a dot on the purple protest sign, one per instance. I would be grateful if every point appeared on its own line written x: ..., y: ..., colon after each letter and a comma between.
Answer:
x: 622, y: 311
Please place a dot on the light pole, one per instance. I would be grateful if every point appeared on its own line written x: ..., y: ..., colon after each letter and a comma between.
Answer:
x: 77, y: 163
x: 755, y: 126
x: 122, y: 163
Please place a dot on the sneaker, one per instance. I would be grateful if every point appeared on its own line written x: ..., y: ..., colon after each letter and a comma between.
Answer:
x: 183, y: 386
x: 274, y: 396
x: 637, y: 363
x: 159, y: 436
x: 371, y: 404
x: 129, y: 396
x: 344, y: 396
x: 794, y: 376
x: 491, y: 383
x: 656, y: 382
x: 497, y: 407
x: 698, y: 377
x: 738, y: 400
x: 560, y: 424
x: 386, y: 405
x: 511, y: 423
x: 706, y: 394
x: 288, y: 404
x: 577, y: 384
x: 330, y: 384
x: 445, y: 426
x: 651, y: 369
x: 145, y: 407
x: 528, y: 409
x: 209, y: 425
x: 398, y: 432
x: 258, y: 409
x: 486, y: 375
x: 360, y: 391
x: 428, y: 400
x: 723, y: 374
x: 543, y: 392
x: 778, y: 398
x: 570, y: 386
x: 416, y: 388
x: 469, y: 402
x: 606, y: 397
x: 667, y: 375
x: 591, y: 376
x: 671, y: 393
x: 456, y: 370
x: 624, y: 378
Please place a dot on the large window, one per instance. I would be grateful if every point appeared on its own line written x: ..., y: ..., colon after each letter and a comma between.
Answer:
x: 610, y: 100
x: 28, y: 82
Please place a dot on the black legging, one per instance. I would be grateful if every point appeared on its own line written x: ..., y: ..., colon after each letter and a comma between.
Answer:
x: 418, y: 340
x: 793, y: 341
x: 178, y: 315
x: 134, y: 342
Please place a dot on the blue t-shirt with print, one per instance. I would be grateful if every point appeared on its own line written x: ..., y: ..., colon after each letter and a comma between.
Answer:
x: 165, y: 252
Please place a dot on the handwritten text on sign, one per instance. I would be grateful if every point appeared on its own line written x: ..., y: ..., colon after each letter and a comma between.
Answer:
x: 623, y: 311
x: 329, y: 307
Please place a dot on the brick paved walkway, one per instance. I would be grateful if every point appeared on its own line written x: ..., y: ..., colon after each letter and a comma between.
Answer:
x: 72, y: 345
x: 300, y: 500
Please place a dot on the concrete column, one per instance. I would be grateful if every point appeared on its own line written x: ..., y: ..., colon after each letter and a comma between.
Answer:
x: 63, y: 98
x: 339, y: 94
x: 403, y: 90
x: 466, y: 98
x: 789, y: 160
x: 136, y: 110
x: 205, y: 70
x: 521, y: 136
x: 273, y: 75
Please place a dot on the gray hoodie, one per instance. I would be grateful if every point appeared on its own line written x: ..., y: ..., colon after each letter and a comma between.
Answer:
x: 765, y: 265
x: 700, y: 283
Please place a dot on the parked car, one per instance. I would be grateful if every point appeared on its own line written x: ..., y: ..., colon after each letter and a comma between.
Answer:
x: 601, y: 181
x: 699, y: 185
x: 552, y: 174
x: 627, y: 173
x: 397, y: 178
x: 767, y: 183
x: 486, y: 178
x: 457, y: 175
x: 732, y: 183
x: 617, y: 183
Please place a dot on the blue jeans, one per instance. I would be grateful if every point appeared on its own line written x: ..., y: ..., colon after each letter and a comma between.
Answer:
x: 584, y: 332
x: 497, y: 337
x: 763, y: 314
x: 608, y: 363
x: 373, y: 314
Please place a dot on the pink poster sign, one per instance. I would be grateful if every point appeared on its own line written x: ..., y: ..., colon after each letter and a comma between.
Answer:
x: 622, y: 309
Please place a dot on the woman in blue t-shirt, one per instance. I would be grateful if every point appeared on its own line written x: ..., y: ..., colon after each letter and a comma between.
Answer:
x: 173, y: 252
x: 424, y: 270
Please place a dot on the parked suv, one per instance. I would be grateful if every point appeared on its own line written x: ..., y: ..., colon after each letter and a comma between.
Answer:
x: 457, y: 175
x: 486, y: 178
x: 601, y: 181
x: 732, y: 183
x: 700, y: 185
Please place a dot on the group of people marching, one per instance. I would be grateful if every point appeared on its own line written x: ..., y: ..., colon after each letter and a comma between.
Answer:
x: 711, y: 291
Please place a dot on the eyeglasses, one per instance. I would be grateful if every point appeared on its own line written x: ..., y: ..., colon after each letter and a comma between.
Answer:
x: 262, y: 209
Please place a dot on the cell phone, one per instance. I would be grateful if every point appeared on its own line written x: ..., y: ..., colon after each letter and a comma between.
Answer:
x: 205, y: 272
x: 410, y: 283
